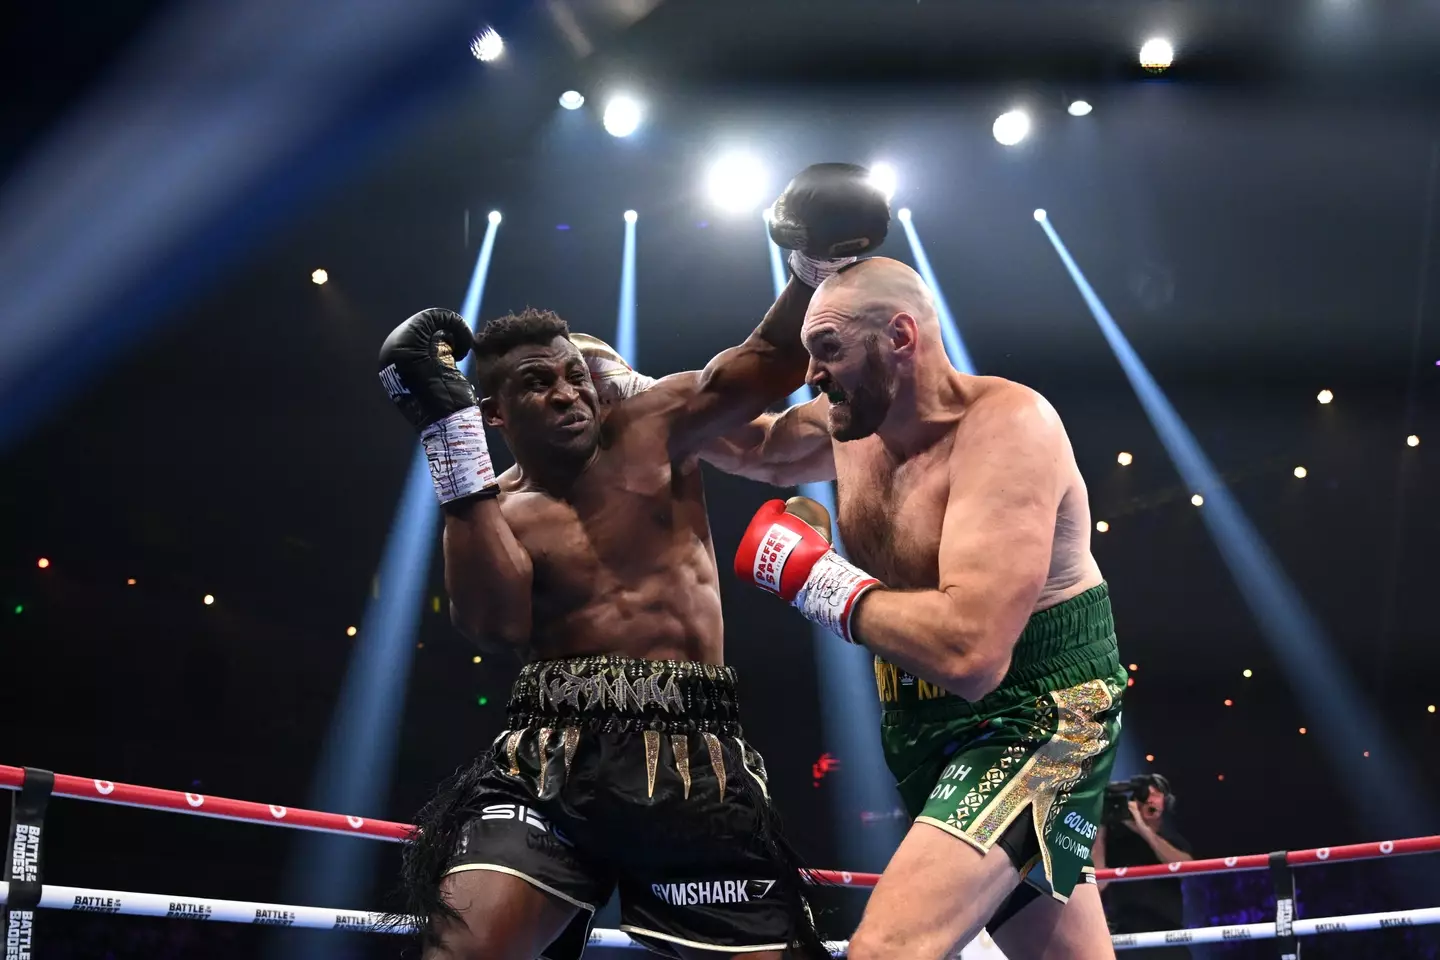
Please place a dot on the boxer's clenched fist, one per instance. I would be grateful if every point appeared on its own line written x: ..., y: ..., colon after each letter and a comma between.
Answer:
x: 614, y: 379
x: 786, y: 550
x: 827, y: 216
x: 418, y: 367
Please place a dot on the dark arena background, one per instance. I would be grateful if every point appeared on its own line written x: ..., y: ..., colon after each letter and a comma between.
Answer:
x: 221, y: 575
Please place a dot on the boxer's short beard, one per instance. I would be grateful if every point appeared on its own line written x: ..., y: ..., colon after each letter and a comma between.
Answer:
x: 869, y: 403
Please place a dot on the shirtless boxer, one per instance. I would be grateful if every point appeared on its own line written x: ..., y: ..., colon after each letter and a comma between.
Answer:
x: 973, y: 584
x: 623, y: 761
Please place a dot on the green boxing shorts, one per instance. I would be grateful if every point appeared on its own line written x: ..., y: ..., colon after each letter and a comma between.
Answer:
x: 1025, y: 766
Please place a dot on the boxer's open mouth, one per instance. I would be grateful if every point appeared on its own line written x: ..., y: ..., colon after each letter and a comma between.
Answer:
x: 836, y: 395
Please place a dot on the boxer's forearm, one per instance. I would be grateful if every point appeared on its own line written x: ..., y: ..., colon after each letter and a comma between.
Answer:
x: 931, y: 635
x: 487, y: 575
x: 740, y: 383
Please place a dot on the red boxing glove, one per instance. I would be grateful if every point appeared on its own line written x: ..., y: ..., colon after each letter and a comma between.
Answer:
x: 786, y: 555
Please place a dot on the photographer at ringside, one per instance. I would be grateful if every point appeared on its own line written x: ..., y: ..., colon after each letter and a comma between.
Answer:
x: 1136, y: 828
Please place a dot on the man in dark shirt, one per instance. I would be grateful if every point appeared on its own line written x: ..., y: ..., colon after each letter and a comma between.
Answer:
x: 1147, y: 836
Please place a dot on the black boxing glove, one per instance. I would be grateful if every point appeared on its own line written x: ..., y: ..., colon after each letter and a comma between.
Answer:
x: 826, y: 217
x: 418, y: 368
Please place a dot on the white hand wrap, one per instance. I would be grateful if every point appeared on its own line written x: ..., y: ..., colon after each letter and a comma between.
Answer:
x: 812, y: 272
x: 831, y: 592
x: 458, y: 454
x: 615, y: 381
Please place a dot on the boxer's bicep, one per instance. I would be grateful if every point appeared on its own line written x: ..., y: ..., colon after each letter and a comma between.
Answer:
x: 783, y: 449
x: 999, y: 525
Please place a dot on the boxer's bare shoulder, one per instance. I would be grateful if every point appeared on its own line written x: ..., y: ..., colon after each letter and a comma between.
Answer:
x: 893, y: 509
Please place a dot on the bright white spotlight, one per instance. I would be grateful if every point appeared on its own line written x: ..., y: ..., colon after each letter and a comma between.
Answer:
x: 631, y: 216
x: 1156, y: 54
x: 883, y: 178
x: 768, y: 214
x: 622, y: 117
x: 494, y: 216
x: 487, y: 46
x: 1010, y: 128
x: 1039, y: 215
x: 572, y: 100
x: 1079, y: 108
x: 737, y: 183
x: 904, y: 214
x: 318, y: 277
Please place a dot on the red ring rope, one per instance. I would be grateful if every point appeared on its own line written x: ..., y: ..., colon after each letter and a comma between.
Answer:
x: 204, y: 805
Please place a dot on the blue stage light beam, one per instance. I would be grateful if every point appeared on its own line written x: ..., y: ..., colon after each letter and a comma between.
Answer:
x: 849, y: 709
x: 357, y: 761
x: 949, y: 331
x: 625, y: 317
x: 1344, y: 720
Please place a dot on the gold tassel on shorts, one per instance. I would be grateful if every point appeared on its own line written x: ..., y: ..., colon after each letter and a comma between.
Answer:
x: 512, y: 750
x: 571, y: 738
x: 681, y: 745
x: 652, y: 759
x: 717, y: 760
x: 540, y: 748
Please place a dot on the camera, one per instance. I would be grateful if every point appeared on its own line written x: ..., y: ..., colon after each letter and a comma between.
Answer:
x: 1118, y: 795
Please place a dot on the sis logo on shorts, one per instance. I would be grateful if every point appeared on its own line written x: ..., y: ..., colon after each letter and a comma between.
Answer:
x: 516, y: 811
x: 711, y: 891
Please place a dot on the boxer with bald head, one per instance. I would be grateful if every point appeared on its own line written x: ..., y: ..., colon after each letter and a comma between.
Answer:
x: 623, y: 763
x: 972, y: 582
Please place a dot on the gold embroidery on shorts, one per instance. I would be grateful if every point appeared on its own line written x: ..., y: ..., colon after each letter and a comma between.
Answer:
x: 759, y: 777
x: 680, y: 744
x: 1056, y: 765
x: 717, y: 760
x: 887, y: 681
x: 925, y: 690
x: 652, y: 759
x: 512, y: 751
x: 540, y: 747
x: 571, y: 739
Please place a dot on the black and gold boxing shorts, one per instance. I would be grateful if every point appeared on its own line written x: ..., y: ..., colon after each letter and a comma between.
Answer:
x: 629, y: 774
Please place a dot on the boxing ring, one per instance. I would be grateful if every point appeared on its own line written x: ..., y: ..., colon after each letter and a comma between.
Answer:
x: 24, y: 890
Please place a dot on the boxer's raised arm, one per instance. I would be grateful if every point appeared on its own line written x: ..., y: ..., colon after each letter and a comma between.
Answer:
x: 488, y: 575
x: 1005, y: 489
x: 782, y: 449
x: 740, y: 383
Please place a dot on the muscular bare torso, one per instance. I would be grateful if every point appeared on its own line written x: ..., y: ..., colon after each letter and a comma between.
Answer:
x: 623, y: 563
x: 891, y: 513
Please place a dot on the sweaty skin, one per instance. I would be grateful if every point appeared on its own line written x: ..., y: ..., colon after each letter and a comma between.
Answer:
x: 612, y: 550
x: 959, y: 493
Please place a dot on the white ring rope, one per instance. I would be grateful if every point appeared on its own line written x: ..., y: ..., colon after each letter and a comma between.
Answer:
x: 85, y: 900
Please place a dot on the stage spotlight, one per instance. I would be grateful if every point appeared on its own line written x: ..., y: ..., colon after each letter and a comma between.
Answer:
x: 487, y: 45
x: 572, y: 100
x: 1229, y: 702
x: 1198, y: 500
x: 494, y: 216
x: 1040, y: 216
x: 130, y: 582
x: 43, y: 563
x: 1324, y: 396
x: 351, y: 631
x: 1134, y: 667
x: 1149, y: 758
x: 1102, y: 526
x: 1247, y: 673
x: 1301, y: 472
x: 1124, y: 459
x: 1010, y: 128
x: 1156, y: 54
x: 1302, y: 731
x: 737, y: 183
x: 475, y: 659
x: 904, y: 214
x: 1430, y: 709
x: 631, y: 216
x: 318, y: 277
x: 208, y: 599
x: 1079, y: 108
x: 884, y: 179
x: 1412, y: 441
x: 622, y: 117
